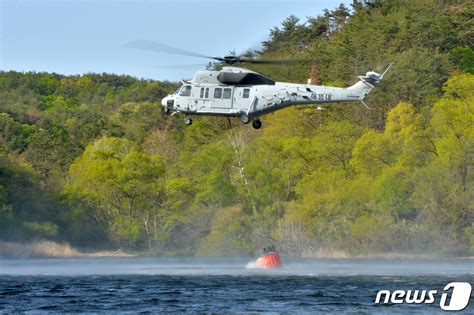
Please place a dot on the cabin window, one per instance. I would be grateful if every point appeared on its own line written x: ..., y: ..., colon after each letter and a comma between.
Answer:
x: 207, y: 92
x: 185, y: 91
x: 201, y: 94
x: 218, y: 93
x: 246, y: 93
x: 227, y: 93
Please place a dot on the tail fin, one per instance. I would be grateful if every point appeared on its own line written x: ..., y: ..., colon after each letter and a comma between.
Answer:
x: 366, y: 83
x: 386, y: 70
x: 373, y: 77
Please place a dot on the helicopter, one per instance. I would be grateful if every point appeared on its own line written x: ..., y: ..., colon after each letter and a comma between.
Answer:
x: 239, y: 92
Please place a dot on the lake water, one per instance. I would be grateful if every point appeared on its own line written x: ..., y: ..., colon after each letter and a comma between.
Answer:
x: 105, y: 285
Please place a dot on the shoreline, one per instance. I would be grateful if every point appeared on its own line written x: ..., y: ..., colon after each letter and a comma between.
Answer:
x: 50, y: 249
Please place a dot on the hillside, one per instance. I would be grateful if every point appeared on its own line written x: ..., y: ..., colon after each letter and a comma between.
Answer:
x: 91, y: 159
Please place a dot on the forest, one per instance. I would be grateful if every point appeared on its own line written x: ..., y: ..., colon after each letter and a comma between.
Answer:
x: 91, y: 160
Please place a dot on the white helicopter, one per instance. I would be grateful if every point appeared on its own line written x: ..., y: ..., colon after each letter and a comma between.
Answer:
x: 247, y: 94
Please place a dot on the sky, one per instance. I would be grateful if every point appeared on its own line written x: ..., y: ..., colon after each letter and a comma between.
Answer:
x: 77, y: 37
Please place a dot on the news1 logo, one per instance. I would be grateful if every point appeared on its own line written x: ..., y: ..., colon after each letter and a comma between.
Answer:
x: 459, y: 293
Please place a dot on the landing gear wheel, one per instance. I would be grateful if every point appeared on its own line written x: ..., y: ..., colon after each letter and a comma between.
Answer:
x: 188, y: 121
x: 166, y: 110
x: 257, y: 124
x: 245, y: 119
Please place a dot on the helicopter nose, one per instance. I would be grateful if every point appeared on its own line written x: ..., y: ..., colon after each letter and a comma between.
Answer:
x: 167, y: 102
x: 164, y: 100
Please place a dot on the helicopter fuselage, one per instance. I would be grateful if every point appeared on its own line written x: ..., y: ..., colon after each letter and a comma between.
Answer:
x: 240, y: 92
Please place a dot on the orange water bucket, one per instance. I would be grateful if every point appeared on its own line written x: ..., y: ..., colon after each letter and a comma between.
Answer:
x: 271, y: 260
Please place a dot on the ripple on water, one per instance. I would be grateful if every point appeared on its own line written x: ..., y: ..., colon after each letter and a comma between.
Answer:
x: 246, y: 292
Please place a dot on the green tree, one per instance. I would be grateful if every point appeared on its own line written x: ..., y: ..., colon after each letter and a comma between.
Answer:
x: 129, y: 188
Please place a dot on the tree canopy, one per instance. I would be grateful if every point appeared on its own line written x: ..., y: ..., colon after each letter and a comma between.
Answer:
x: 92, y: 160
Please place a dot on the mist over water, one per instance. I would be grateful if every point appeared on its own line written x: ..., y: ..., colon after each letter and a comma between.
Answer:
x: 233, y: 266
x: 104, y: 285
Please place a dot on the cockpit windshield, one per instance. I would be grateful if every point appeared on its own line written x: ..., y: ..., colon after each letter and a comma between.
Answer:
x: 185, y: 91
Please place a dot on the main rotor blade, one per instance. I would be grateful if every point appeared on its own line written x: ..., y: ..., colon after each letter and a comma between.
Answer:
x: 271, y: 61
x: 162, y: 48
x: 201, y: 65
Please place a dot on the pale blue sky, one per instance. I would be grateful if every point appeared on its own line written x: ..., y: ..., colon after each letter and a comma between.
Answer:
x: 75, y: 37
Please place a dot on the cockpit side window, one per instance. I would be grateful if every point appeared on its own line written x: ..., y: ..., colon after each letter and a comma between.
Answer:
x: 185, y: 91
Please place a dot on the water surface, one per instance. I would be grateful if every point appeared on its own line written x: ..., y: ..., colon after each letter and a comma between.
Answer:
x: 99, y: 285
